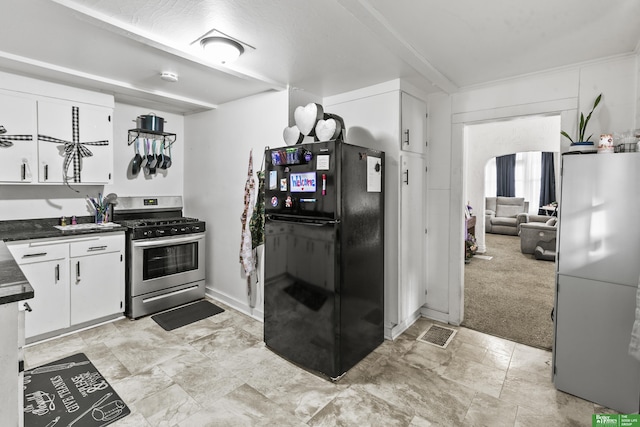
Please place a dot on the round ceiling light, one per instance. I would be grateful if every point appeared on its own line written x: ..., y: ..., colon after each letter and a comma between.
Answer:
x: 221, y: 49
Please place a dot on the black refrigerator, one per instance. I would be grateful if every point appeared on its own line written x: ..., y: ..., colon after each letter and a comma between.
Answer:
x: 324, y: 254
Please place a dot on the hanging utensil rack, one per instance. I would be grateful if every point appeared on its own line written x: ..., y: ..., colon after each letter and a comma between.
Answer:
x: 167, y: 138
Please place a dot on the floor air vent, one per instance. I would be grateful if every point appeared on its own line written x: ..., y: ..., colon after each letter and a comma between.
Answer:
x: 438, y: 336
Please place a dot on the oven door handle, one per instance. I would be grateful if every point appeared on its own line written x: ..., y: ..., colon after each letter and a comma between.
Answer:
x: 163, y: 242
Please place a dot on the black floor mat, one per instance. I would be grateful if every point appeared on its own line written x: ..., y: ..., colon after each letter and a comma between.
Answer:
x: 70, y: 391
x: 185, y: 315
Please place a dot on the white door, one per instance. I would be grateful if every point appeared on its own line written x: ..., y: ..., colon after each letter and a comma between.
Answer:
x: 17, y: 138
x: 414, y: 118
x: 412, y: 260
x: 96, y: 285
x: 50, y: 305
x: 56, y: 126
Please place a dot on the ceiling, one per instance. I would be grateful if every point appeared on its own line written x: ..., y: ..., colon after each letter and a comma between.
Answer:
x: 324, y: 48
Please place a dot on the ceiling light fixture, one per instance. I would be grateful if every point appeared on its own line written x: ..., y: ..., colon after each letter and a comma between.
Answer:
x: 222, y: 49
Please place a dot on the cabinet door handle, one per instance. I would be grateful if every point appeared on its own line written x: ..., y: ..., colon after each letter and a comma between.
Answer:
x: 97, y: 248
x: 406, y: 173
x: 57, y: 273
x: 77, y: 271
x: 46, y: 172
x: 27, y: 306
x: 34, y: 255
x: 23, y: 171
x: 406, y: 141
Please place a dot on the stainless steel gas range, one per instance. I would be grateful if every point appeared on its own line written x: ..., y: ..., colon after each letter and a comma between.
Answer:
x: 165, y: 254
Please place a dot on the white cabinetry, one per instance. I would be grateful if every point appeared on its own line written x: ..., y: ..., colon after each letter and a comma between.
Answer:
x: 74, y: 122
x: 17, y: 137
x: 38, y: 119
x: 96, y: 265
x: 45, y: 267
x: 413, y: 114
x: 375, y: 117
x: 75, y: 281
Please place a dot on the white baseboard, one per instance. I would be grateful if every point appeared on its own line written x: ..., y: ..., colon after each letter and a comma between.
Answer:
x: 236, y: 304
x: 436, y: 315
x: 391, y: 332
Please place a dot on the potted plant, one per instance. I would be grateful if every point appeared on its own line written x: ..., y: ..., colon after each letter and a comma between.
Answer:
x: 582, y: 127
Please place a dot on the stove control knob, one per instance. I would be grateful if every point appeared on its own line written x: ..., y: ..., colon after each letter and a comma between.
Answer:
x: 147, y: 233
x: 159, y: 232
x: 174, y: 230
x: 195, y: 228
x: 184, y: 229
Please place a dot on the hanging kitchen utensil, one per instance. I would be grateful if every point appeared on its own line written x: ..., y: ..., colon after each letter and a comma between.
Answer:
x: 167, y: 159
x: 145, y: 159
x: 154, y: 158
x: 161, y: 157
x: 150, y: 122
x: 137, y: 160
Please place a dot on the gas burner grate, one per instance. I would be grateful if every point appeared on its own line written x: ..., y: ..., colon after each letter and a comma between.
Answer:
x: 438, y: 336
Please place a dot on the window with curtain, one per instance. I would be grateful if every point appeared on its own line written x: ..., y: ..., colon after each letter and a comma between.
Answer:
x: 527, y: 178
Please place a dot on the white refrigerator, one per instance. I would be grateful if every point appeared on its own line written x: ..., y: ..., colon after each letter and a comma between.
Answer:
x: 598, y: 268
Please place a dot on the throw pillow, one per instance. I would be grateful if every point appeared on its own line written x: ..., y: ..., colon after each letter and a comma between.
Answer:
x: 551, y: 221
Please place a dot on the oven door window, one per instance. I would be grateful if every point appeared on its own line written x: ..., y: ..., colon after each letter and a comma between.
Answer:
x: 170, y: 259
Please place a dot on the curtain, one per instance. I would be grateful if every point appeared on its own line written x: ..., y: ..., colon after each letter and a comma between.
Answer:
x: 490, y: 189
x: 547, y: 180
x: 505, y: 175
x: 528, y: 178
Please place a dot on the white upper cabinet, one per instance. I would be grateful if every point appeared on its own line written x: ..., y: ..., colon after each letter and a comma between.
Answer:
x: 75, y: 141
x: 414, y: 118
x: 17, y: 138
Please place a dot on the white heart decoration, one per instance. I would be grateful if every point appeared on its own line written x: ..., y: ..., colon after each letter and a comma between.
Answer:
x: 327, y: 130
x: 292, y: 135
x: 306, y: 117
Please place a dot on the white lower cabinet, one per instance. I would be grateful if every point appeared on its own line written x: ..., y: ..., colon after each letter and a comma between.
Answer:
x: 92, y: 291
x: 75, y: 281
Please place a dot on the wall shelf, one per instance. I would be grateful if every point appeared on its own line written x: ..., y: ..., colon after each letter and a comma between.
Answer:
x: 167, y: 138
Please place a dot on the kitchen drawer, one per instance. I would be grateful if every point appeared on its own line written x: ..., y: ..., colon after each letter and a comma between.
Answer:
x: 27, y: 253
x: 97, y: 245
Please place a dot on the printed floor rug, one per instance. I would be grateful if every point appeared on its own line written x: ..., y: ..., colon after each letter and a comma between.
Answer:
x: 70, y: 392
x: 182, y: 316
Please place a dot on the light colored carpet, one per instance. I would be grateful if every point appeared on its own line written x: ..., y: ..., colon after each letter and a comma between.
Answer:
x: 511, y: 295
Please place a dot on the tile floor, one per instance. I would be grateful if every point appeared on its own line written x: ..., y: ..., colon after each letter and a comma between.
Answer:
x: 218, y: 372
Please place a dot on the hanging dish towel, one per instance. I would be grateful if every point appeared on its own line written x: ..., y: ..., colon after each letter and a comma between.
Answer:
x: 634, y: 345
x: 247, y: 253
x: 257, y: 219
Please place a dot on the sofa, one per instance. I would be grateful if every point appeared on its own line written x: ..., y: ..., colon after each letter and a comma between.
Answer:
x: 503, y: 215
x: 538, y: 236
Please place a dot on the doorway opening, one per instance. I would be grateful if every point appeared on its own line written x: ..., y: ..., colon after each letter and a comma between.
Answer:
x: 508, y: 293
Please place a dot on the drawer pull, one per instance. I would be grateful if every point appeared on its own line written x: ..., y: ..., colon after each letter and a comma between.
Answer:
x: 46, y: 172
x: 23, y: 171
x: 27, y: 307
x: 97, y: 248
x: 34, y: 255
x: 406, y: 132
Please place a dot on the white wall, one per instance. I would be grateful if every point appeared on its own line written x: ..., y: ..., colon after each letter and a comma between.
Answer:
x: 217, y: 156
x: 484, y: 141
x: 45, y: 201
x: 556, y: 92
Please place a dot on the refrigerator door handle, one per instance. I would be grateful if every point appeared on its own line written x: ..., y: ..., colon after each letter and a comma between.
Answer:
x: 302, y: 222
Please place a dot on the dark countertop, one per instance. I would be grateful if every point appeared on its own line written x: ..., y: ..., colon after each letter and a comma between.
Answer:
x: 43, y: 228
x: 13, y: 285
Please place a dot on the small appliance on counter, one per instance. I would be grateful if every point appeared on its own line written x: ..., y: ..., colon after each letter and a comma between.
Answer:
x: 324, y: 254
x: 165, y: 264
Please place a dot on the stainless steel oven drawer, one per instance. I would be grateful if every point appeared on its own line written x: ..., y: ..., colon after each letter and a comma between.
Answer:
x: 164, y: 299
